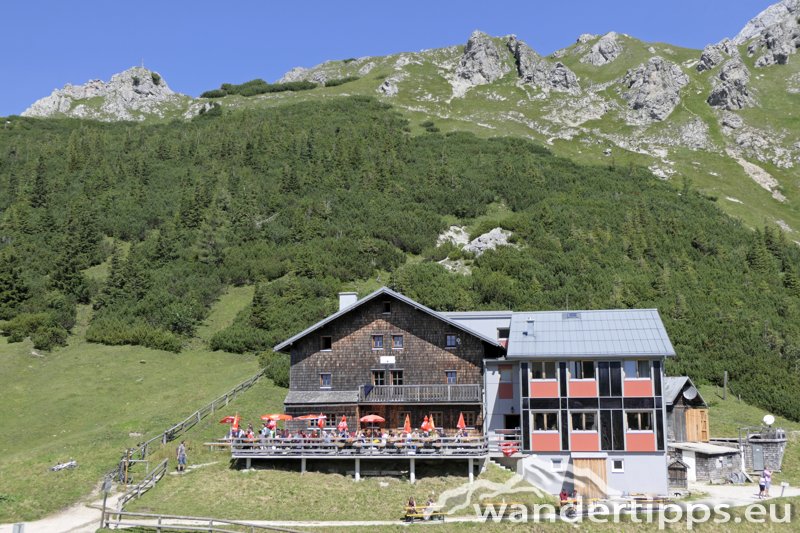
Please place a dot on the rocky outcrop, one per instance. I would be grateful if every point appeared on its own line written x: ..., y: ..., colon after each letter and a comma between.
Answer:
x: 716, y: 54
x: 774, y: 33
x: 653, y: 89
x: 482, y: 61
x: 604, y: 51
x: 129, y: 95
x: 731, y: 91
x: 488, y: 241
x: 388, y: 88
x: 534, y: 70
x: 773, y: 15
x: 455, y: 235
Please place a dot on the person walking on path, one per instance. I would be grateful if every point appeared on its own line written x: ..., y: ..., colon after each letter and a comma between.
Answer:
x: 767, y: 481
x: 762, y: 485
x: 181, y: 453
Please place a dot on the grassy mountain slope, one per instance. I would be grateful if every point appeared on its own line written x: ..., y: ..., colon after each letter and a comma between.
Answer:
x: 307, y: 199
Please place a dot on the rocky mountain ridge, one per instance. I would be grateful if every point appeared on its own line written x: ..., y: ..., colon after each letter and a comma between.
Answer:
x: 725, y: 117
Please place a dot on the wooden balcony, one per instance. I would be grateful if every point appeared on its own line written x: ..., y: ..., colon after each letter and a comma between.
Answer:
x: 420, y: 394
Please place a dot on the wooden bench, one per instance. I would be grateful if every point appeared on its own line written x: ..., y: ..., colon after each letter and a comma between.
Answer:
x: 424, y: 513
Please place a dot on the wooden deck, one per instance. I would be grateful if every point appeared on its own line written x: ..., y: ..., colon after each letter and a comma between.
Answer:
x: 441, y: 448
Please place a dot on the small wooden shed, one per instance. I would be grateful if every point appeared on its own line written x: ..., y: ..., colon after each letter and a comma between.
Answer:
x: 677, y: 471
x: 687, y: 411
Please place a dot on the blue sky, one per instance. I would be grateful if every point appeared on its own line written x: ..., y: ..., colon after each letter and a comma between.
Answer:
x: 198, y: 45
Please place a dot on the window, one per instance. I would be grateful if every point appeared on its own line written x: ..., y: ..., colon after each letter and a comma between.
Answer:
x: 618, y: 465
x: 397, y: 342
x: 325, y: 380
x: 502, y: 333
x: 387, y: 308
x: 378, y: 377
x: 581, y: 369
x: 506, y: 373
x: 545, y: 421
x: 640, y: 421
x: 332, y: 420
x: 451, y: 341
x: 557, y: 465
x: 401, y: 418
x: 377, y: 342
x: 637, y: 369
x: 470, y: 418
x: 397, y: 377
x: 543, y: 369
x: 326, y: 343
x: 584, y: 421
x: 451, y: 376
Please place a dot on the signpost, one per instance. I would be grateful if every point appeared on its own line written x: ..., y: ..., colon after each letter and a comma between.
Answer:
x: 106, y: 489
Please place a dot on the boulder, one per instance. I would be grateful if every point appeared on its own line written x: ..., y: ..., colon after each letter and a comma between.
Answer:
x: 604, y: 51
x: 488, y: 241
x: 482, y: 61
x: 731, y: 91
x: 653, y: 88
x: 534, y: 70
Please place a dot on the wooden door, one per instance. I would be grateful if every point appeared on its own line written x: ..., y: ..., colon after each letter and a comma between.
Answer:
x: 590, y: 477
x: 697, y: 425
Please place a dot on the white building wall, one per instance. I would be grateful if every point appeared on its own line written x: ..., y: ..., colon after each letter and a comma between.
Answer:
x: 497, y: 408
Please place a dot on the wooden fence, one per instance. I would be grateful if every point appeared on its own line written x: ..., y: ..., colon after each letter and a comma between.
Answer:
x: 141, y: 451
x: 164, y: 522
x: 144, y: 485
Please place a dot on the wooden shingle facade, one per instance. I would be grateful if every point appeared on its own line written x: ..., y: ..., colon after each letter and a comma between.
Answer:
x: 389, y: 355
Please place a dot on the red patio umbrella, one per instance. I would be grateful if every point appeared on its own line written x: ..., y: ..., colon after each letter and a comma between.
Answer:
x: 461, y: 424
x: 275, y: 417
x: 309, y: 417
x: 233, y: 420
x: 407, y: 425
x: 432, y: 426
x: 425, y: 426
x: 373, y: 419
x: 321, y: 422
x: 343, y: 424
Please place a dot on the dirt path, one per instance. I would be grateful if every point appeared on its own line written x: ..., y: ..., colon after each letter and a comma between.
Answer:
x: 79, y: 518
x: 739, y: 494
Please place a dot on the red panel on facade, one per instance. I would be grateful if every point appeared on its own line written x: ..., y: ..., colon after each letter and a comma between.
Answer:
x: 638, y: 387
x: 583, y: 388
x: 546, y: 442
x: 585, y: 442
x: 544, y: 389
x: 505, y: 391
x: 640, y: 442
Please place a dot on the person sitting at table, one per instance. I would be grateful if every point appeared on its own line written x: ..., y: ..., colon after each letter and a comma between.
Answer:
x: 411, y: 508
x: 428, y: 509
x: 563, y: 496
x: 384, y: 437
x: 326, y: 437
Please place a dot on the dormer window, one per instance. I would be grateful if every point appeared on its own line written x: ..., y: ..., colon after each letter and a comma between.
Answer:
x: 326, y: 343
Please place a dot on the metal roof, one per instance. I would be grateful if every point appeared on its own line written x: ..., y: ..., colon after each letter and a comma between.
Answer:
x: 674, y: 385
x: 385, y: 291
x: 621, y: 332
x: 703, y: 447
x: 321, y: 397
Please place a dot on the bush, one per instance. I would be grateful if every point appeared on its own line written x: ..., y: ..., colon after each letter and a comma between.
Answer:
x: 276, y: 366
x: 340, y: 81
x: 49, y: 337
x: 156, y: 77
x: 214, y: 93
x: 240, y: 338
x: 258, y: 86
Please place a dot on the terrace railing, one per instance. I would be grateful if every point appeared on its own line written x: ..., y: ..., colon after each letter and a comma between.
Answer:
x: 448, y: 447
x: 420, y: 393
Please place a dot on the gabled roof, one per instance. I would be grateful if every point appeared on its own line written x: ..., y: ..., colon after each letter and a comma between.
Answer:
x: 622, y: 332
x: 385, y: 291
x: 674, y: 385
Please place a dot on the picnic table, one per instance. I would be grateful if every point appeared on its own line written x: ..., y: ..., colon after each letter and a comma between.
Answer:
x: 427, y: 512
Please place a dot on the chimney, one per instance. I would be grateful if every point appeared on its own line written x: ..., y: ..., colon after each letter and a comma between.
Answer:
x: 528, y: 327
x: 346, y: 299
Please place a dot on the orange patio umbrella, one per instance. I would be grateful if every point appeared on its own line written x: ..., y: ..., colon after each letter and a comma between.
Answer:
x: 373, y: 419
x: 342, y: 424
x: 407, y: 425
x: 275, y: 417
x: 425, y: 426
x: 432, y: 426
x: 461, y: 424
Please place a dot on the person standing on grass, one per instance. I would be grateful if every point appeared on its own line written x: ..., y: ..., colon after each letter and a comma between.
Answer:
x: 762, y: 485
x: 181, y: 453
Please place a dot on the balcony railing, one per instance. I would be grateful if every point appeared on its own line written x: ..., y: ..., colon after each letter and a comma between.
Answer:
x: 420, y: 393
x: 351, y: 447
